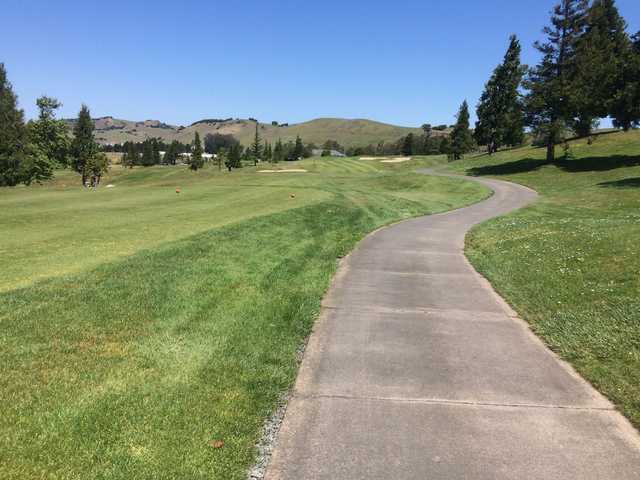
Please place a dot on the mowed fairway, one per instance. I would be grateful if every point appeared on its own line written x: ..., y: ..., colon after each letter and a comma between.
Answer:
x: 570, y: 264
x: 138, y: 325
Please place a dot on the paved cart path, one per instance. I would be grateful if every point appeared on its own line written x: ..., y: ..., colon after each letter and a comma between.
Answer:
x: 417, y: 369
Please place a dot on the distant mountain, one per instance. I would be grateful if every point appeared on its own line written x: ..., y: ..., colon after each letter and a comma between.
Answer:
x: 346, y: 132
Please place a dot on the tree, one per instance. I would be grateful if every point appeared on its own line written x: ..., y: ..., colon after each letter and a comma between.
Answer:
x: 550, y: 105
x: 256, y: 146
x: 298, y: 150
x: 130, y: 157
x: 461, y: 137
x: 221, y: 157
x: 97, y: 165
x: 155, y: 151
x: 625, y: 106
x: 407, y: 145
x: 50, y: 134
x: 278, y: 152
x: 603, y: 53
x: 500, y: 117
x: 21, y: 161
x: 85, y: 149
x: 267, y: 152
x: 213, y: 142
x: 196, y: 161
x: 147, y: 154
x: 234, y: 157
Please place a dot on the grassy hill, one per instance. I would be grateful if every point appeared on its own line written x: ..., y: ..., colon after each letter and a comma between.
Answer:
x: 569, y: 263
x: 346, y: 132
x: 144, y: 324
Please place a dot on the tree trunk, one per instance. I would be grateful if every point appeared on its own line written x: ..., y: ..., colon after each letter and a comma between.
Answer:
x: 551, y: 150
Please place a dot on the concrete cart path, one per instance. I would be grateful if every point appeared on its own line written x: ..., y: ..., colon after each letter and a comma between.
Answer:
x: 417, y: 369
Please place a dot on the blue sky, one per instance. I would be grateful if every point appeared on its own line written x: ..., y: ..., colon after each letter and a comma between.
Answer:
x: 404, y: 62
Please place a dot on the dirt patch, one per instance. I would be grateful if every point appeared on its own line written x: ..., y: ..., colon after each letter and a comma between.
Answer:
x: 397, y: 160
x: 286, y: 170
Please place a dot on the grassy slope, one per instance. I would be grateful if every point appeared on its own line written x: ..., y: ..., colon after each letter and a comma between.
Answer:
x: 346, y: 132
x: 569, y: 264
x: 128, y: 365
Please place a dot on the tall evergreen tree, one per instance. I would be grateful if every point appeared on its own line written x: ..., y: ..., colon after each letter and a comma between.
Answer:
x: 298, y: 150
x: 461, y: 137
x: 84, y: 148
x: 551, y: 101
x: 156, y: 151
x: 147, y: 154
x: 500, y: 116
x: 603, y: 52
x: 256, y: 147
x: 196, y: 161
x: 234, y: 158
x: 13, y: 134
x: 278, y: 152
x: 131, y: 156
x: 625, y: 106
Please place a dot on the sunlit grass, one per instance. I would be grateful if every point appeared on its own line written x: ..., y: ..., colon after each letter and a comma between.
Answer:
x: 570, y: 264
x: 139, y: 324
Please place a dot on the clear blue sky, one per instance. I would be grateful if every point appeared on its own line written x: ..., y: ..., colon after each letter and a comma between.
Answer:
x: 404, y: 62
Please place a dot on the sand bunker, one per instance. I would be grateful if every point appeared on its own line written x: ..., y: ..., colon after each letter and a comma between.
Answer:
x: 397, y: 160
x: 286, y: 170
x: 373, y: 158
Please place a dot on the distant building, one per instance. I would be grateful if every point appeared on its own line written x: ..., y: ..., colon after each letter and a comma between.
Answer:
x: 207, y: 157
x: 334, y: 153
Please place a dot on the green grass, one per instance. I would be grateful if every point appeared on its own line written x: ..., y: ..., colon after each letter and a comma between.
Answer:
x: 137, y: 324
x: 570, y: 263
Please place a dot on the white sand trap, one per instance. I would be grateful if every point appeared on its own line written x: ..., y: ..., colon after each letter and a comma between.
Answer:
x: 286, y: 170
x: 373, y: 158
x: 397, y: 160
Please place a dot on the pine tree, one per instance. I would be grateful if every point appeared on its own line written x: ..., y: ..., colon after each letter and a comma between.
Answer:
x: 278, y: 152
x: 461, y: 137
x: 602, y: 54
x: 625, y: 106
x: 234, y: 158
x: 267, y: 153
x: 131, y: 156
x: 256, y: 146
x: 84, y: 146
x: 156, y: 151
x: 13, y: 135
x: 551, y: 101
x: 147, y: 154
x: 500, y: 117
x: 298, y: 150
x: 197, y: 161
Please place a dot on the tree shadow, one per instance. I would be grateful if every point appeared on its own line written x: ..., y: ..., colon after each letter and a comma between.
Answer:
x: 509, y: 168
x: 624, y: 183
x: 589, y: 164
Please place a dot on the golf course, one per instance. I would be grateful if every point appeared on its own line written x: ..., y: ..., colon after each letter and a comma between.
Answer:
x: 139, y: 325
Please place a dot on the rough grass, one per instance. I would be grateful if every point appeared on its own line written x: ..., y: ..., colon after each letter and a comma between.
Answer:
x: 570, y: 263
x: 138, y: 325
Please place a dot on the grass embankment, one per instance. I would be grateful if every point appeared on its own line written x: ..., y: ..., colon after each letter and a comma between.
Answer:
x: 138, y: 324
x: 570, y: 264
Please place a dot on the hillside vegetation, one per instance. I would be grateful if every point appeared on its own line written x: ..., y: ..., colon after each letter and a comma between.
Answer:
x: 348, y: 133
x: 570, y: 263
x: 140, y: 325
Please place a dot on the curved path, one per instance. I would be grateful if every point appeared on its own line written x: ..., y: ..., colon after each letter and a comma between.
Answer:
x: 418, y: 370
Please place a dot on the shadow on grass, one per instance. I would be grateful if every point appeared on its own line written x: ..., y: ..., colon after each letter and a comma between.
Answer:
x: 624, y: 183
x: 589, y: 164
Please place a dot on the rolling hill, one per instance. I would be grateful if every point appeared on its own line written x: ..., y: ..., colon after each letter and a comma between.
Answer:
x: 346, y: 132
